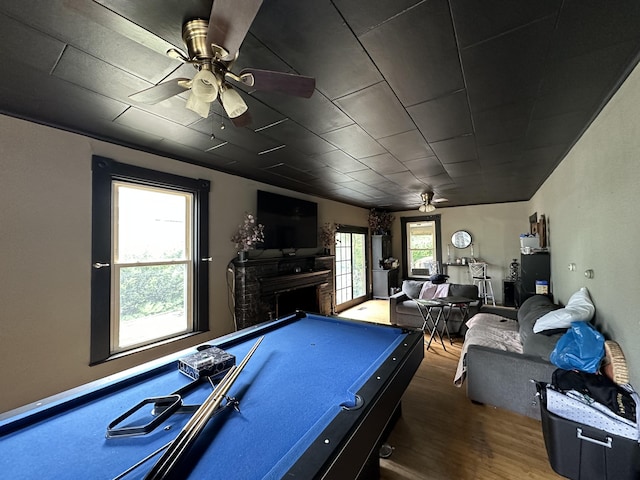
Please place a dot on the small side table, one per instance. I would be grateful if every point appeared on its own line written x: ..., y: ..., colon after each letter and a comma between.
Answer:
x: 425, y: 307
x: 454, y: 301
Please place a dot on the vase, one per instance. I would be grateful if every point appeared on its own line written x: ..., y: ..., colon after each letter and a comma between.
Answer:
x: 326, y: 251
x: 514, y: 268
x: 243, y: 256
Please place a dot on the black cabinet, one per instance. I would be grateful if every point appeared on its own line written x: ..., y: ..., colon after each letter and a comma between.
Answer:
x: 532, y: 268
x: 509, y: 293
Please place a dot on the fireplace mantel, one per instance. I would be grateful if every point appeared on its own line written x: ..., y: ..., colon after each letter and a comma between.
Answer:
x: 295, y: 281
x: 260, y: 284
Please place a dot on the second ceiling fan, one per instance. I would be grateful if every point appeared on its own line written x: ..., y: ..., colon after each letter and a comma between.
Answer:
x: 212, y: 48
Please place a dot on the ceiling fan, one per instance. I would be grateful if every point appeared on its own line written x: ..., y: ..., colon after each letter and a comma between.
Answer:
x: 212, y: 48
x: 428, y: 202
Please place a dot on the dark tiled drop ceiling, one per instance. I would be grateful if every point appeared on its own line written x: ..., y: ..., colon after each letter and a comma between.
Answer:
x: 476, y: 101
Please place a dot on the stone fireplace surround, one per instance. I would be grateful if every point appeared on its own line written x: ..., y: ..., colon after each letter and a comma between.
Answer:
x: 265, y: 289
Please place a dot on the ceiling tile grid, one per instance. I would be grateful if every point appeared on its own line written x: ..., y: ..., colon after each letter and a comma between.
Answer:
x: 474, y: 101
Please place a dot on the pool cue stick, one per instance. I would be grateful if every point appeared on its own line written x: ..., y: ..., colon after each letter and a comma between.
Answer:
x: 189, y: 431
x: 141, y: 462
x: 192, y: 429
x: 230, y: 402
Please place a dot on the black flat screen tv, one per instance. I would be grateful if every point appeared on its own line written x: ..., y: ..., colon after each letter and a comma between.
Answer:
x: 288, y: 222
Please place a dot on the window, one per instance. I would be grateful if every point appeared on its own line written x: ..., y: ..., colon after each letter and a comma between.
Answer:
x: 150, y: 254
x: 351, y: 266
x: 422, y: 254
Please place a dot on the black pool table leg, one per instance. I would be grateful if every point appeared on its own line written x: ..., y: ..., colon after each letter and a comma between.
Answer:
x: 371, y: 469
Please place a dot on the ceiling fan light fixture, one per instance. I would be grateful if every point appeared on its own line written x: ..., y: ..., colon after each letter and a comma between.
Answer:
x: 196, y: 105
x: 426, y: 206
x: 232, y: 102
x: 212, y: 47
x: 205, y: 86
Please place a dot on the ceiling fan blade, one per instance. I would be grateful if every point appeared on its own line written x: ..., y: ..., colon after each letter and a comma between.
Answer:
x: 229, y: 23
x: 161, y: 92
x: 288, y: 83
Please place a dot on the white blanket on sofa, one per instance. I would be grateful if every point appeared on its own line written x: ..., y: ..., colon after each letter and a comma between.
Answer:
x: 491, y: 331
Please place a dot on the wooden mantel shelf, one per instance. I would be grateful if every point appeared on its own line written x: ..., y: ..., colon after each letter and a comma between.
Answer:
x: 286, y: 283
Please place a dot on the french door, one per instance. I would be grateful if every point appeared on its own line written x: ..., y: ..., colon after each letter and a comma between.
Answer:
x: 351, y: 267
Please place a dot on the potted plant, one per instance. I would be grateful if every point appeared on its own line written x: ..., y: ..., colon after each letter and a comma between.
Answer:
x: 247, y: 236
x: 380, y: 222
x: 328, y: 236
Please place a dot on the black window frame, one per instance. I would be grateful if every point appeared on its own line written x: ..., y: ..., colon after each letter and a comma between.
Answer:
x: 104, y: 172
x: 421, y: 218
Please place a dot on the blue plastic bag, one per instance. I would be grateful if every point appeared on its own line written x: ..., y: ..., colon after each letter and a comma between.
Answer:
x: 581, y: 348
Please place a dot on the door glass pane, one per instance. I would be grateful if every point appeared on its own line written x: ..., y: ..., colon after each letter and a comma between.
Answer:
x: 153, y: 303
x: 343, y: 268
x: 351, y: 267
x: 359, y: 264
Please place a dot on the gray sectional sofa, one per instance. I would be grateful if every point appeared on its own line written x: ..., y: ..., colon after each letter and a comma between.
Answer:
x: 403, y: 310
x: 504, y: 379
x: 494, y: 376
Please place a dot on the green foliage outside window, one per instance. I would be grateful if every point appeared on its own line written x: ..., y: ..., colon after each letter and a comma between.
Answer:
x: 421, y: 247
x: 359, y: 274
x: 151, y: 290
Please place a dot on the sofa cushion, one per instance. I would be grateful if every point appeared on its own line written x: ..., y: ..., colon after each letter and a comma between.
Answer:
x: 412, y: 288
x: 579, y: 308
x: 531, y: 310
x: 540, y: 345
x: 463, y: 290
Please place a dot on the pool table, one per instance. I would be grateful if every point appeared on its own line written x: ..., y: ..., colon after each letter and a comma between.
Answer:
x: 314, y: 402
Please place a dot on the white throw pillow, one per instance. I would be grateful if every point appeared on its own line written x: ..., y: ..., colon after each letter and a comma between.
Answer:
x: 579, y: 309
x: 428, y: 291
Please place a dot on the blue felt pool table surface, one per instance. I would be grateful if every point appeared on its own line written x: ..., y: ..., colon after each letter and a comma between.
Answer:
x: 292, y: 388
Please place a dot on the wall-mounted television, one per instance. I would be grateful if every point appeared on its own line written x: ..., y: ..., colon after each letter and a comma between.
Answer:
x: 288, y: 222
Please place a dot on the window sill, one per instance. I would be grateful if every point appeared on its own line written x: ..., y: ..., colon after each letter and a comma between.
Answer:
x: 144, y: 348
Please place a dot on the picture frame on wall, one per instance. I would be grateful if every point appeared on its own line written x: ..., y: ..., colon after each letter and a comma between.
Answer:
x: 542, y: 231
x: 533, y: 223
x: 539, y: 228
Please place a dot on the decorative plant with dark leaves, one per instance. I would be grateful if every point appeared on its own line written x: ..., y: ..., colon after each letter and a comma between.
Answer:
x: 249, y: 233
x: 380, y: 221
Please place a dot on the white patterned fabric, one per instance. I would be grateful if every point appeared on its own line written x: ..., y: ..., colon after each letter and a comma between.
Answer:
x: 488, y: 330
x: 581, y: 409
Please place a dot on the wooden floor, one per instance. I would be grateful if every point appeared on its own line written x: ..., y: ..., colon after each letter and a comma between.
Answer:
x: 443, y: 436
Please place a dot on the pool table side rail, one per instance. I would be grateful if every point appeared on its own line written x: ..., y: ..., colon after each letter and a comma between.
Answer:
x: 34, y: 412
x: 31, y: 413
x: 361, y: 430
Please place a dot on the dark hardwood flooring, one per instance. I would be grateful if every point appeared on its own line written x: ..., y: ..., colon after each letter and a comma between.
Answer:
x: 443, y: 436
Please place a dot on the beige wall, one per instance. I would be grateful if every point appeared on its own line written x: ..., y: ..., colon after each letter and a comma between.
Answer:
x: 45, y: 239
x: 592, y: 206
x: 591, y: 201
x: 495, y: 231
